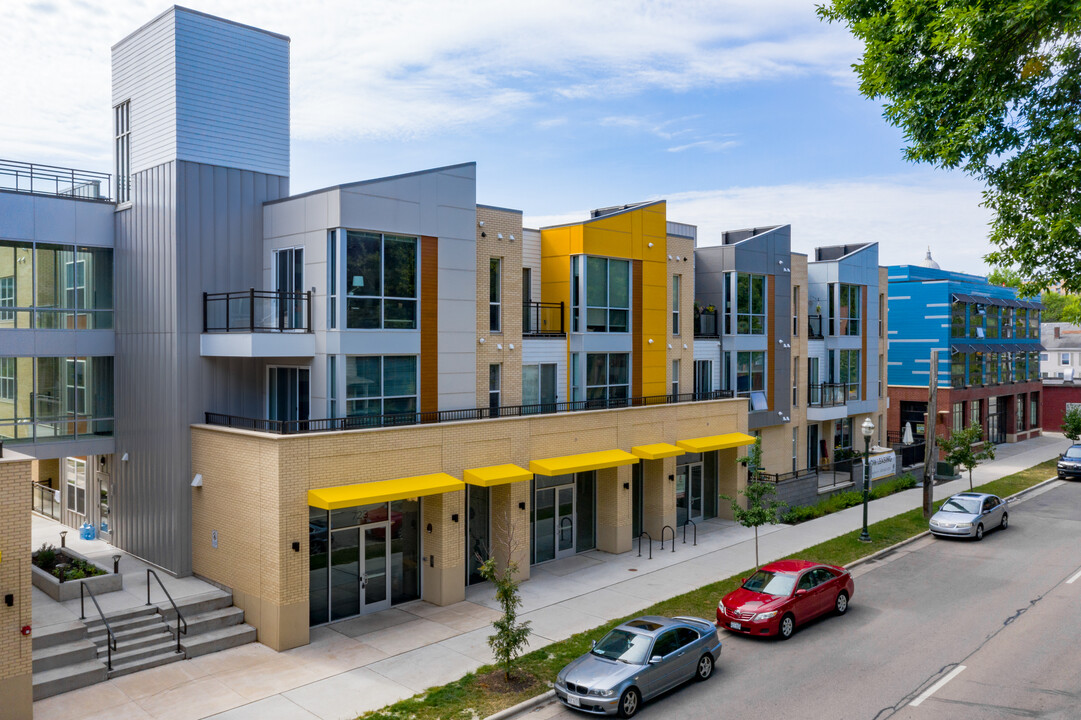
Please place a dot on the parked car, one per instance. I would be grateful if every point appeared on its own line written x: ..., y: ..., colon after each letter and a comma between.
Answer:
x: 970, y: 514
x: 785, y: 594
x: 636, y: 661
x: 1069, y: 463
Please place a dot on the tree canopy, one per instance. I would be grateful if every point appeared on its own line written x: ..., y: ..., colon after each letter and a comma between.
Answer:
x: 993, y: 88
x: 1056, y: 306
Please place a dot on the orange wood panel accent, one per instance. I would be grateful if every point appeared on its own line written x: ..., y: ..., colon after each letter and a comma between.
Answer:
x: 636, y: 328
x: 429, y: 324
x: 863, y: 342
x: 771, y: 330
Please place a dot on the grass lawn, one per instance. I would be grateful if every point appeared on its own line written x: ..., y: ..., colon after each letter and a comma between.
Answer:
x: 476, y: 696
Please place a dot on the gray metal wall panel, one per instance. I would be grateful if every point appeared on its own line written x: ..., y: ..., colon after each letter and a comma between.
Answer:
x: 178, y: 240
x: 143, y: 72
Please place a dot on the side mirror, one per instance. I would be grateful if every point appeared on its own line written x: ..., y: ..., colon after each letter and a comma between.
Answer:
x: 592, y: 644
x: 743, y: 581
x: 801, y: 592
x: 655, y: 660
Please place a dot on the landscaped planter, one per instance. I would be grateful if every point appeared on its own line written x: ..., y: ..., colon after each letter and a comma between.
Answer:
x: 69, y: 590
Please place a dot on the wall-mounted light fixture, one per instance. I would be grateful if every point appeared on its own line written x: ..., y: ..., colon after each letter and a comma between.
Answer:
x: 651, y: 341
x: 480, y: 223
x: 512, y: 236
x: 480, y: 341
x: 521, y: 505
x: 124, y: 457
x: 197, y: 481
x: 511, y: 346
x: 429, y: 528
x: 499, y: 236
x: 671, y: 478
x: 454, y: 517
x: 626, y: 486
x: 296, y: 546
x: 499, y: 346
x: 649, y: 245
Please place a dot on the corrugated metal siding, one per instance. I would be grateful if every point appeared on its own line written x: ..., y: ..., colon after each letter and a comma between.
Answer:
x: 192, y: 228
x: 143, y: 72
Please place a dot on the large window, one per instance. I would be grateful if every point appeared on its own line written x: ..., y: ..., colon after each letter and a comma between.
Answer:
x: 975, y: 368
x: 957, y: 370
x: 751, y: 374
x: 607, y: 376
x: 992, y: 321
x: 977, y: 314
x: 1020, y: 412
x: 539, y: 384
x: 7, y: 298
x: 332, y: 279
x: 958, y: 416
x: 842, y: 434
x: 750, y: 304
x: 1034, y: 410
x: 1019, y: 367
x: 7, y: 378
x: 1007, y: 323
x: 849, y: 310
x: 1033, y: 366
x: 380, y: 385
x: 1033, y: 324
x: 75, y: 474
x: 495, y: 294
x: 122, y: 135
x: 381, y: 272
x: 849, y: 373
x: 992, y: 368
x: 56, y: 286
x: 958, y: 318
x: 1020, y: 322
x: 675, y: 304
x: 495, y: 384
x: 703, y: 376
x: 608, y: 297
x: 56, y: 397
x: 675, y: 377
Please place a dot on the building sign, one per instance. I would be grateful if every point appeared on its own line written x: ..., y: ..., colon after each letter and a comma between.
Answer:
x: 883, y: 465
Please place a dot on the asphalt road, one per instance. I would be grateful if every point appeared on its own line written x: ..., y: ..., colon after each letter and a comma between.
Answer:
x: 1003, y: 608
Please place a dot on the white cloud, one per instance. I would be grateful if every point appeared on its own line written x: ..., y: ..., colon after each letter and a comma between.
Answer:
x: 706, y: 145
x: 414, y: 67
x: 903, y: 214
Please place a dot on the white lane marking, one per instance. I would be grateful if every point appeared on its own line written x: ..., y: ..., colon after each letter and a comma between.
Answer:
x: 1075, y: 576
x: 937, y: 686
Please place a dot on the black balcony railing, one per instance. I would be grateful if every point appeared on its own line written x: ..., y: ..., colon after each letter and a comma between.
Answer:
x: 290, y: 427
x: 705, y: 324
x: 543, y: 319
x: 52, y: 180
x: 254, y: 311
x: 831, y: 394
x: 814, y: 327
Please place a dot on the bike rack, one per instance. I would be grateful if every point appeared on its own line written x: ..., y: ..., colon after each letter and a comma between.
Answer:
x: 650, y: 544
x: 695, y: 526
x: 668, y: 527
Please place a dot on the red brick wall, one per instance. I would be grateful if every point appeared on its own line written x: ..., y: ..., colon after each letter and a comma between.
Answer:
x: 1054, y: 401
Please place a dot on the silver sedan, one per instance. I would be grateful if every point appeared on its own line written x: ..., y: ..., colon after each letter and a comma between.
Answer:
x: 970, y: 514
x: 636, y: 661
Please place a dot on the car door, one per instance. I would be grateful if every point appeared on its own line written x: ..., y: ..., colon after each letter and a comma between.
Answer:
x: 825, y: 590
x: 803, y: 600
x: 657, y: 677
x: 999, y: 509
x: 987, y: 515
x: 687, y: 655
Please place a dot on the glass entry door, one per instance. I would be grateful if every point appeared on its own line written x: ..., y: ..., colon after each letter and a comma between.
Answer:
x: 358, y: 570
x: 688, y: 493
x: 554, y: 526
x: 289, y: 281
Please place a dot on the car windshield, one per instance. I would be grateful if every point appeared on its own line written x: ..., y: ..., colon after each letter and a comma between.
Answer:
x: 1073, y: 453
x: 770, y: 583
x: 624, y: 646
x: 962, y: 505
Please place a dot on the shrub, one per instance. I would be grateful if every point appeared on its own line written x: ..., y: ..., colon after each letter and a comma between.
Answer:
x: 841, y: 501
x: 45, y: 557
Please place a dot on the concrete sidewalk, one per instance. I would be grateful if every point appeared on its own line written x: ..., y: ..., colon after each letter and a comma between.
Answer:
x: 367, y: 662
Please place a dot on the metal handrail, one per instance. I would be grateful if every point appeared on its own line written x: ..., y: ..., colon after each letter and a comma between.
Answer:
x: 290, y: 427
x: 692, y: 522
x: 277, y: 311
x: 110, y: 642
x: 538, y: 323
x: 640, y: 544
x: 668, y: 527
x: 179, y: 617
x: 38, y: 179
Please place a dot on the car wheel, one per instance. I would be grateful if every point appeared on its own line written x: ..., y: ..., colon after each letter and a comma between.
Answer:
x: 841, y: 606
x: 787, y: 627
x: 1005, y: 521
x: 705, y: 667
x: 629, y: 702
x: 979, y: 532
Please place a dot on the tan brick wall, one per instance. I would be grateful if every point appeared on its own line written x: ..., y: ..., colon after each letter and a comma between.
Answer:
x: 507, y: 223
x: 510, y: 525
x: 614, y: 527
x: 255, y: 491
x: 16, y: 692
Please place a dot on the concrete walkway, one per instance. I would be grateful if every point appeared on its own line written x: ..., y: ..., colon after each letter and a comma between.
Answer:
x: 365, y: 663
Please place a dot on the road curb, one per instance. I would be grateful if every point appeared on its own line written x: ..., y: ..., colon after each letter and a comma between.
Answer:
x: 884, y: 551
x: 523, y: 706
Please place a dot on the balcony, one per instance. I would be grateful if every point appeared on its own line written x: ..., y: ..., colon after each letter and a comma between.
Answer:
x: 292, y: 427
x: 62, y: 182
x: 705, y: 324
x: 814, y: 327
x: 827, y: 401
x: 257, y: 323
x: 543, y: 319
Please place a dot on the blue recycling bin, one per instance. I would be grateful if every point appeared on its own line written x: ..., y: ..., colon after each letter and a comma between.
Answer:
x: 86, y: 531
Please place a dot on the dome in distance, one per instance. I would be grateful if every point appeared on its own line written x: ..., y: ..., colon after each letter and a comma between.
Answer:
x: 928, y: 262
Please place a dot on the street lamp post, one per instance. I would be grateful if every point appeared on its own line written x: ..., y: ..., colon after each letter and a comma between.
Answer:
x: 868, y: 429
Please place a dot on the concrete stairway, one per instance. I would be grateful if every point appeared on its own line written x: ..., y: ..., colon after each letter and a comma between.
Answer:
x: 73, y: 655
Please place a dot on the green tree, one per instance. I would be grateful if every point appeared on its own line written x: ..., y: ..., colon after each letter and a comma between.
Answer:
x: 510, y: 636
x: 761, y: 508
x: 960, y: 449
x: 1071, y: 424
x: 993, y: 88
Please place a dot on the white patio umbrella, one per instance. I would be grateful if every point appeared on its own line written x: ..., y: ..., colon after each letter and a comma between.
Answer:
x: 907, y: 437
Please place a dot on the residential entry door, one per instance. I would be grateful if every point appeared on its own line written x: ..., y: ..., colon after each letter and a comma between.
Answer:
x: 688, y: 493
x: 358, y: 570
x: 289, y: 280
x: 564, y: 521
x: 554, y: 526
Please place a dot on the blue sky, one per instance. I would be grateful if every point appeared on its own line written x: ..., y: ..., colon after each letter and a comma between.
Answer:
x: 739, y: 113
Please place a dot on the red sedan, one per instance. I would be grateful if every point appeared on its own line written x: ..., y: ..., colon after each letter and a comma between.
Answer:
x: 782, y: 595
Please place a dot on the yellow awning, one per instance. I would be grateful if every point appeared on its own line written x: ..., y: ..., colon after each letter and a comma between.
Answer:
x: 715, y: 442
x: 496, y: 475
x: 345, y: 496
x: 656, y: 451
x: 580, y: 463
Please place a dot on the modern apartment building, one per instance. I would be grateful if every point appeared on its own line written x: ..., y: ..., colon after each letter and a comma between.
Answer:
x: 988, y: 343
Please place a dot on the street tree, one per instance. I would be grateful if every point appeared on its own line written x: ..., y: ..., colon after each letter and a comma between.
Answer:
x: 499, y: 567
x: 1057, y: 307
x: 1071, y: 423
x: 761, y: 507
x: 992, y: 88
x: 960, y: 449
